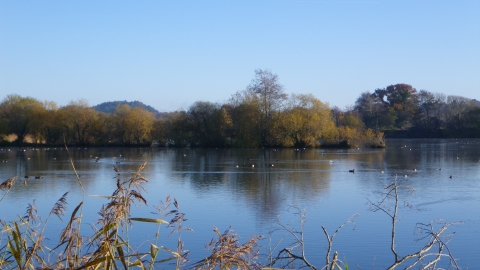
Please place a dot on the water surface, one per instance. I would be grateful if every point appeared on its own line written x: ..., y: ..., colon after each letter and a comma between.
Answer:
x: 213, y: 191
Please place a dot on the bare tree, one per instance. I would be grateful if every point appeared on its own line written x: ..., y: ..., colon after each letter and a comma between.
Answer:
x: 265, y: 85
x: 293, y: 255
x: 375, y: 112
x: 456, y: 111
x: 427, y: 257
x: 436, y: 239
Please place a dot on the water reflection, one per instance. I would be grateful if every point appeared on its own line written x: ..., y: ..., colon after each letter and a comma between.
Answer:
x: 221, y: 187
x: 264, y: 179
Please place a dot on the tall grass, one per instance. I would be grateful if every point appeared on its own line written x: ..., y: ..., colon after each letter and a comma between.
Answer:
x: 109, y: 247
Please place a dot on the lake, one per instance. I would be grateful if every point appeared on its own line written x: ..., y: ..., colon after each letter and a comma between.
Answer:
x: 213, y: 191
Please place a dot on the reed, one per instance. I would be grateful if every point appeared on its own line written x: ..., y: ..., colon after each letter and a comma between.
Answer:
x: 109, y: 247
x: 228, y: 253
x: 6, y: 186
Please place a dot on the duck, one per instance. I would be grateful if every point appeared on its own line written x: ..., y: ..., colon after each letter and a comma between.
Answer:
x: 38, y: 177
x: 352, y: 171
x: 451, y: 176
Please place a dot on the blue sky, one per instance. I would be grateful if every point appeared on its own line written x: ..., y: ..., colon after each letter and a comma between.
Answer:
x: 169, y: 54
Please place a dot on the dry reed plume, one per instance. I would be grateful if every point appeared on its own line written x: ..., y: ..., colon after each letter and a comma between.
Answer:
x: 228, y: 253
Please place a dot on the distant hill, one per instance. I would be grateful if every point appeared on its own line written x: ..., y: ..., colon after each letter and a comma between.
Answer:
x: 109, y: 107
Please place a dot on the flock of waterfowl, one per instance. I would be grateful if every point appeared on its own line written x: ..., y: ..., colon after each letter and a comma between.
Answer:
x: 245, y: 164
x: 249, y: 164
x: 350, y: 171
x: 36, y: 177
x: 97, y: 159
x: 405, y: 175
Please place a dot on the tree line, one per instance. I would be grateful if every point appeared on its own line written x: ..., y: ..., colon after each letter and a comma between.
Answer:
x: 261, y: 115
x: 413, y: 113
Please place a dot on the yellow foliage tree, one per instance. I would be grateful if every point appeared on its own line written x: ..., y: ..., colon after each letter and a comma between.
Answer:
x: 135, y: 124
x: 21, y: 115
x: 77, y: 121
x: 306, y: 122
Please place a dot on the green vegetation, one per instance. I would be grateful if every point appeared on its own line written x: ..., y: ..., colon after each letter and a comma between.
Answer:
x: 400, y: 110
x: 110, y: 106
x: 260, y: 116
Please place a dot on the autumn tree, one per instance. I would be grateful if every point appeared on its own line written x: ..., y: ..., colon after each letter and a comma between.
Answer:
x: 139, y: 124
x: 352, y: 132
x: 178, y: 128
x: 3, y: 129
x: 51, y: 130
x: 348, y: 118
x: 402, y: 98
x: 337, y: 115
x: 266, y: 87
x: 305, y: 122
x: 158, y: 132
x: 210, y: 124
x: 133, y: 126
x: 77, y: 120
x: 224, y: 125
x: 430, y: 110
x: 105, y: 128
x: 473, y: 119
x: 203, y: 126
x: 456, y: 111
x: 245, y: 113
x: 21, y: 115
x: 119, y: 127
x: 374, y: 112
